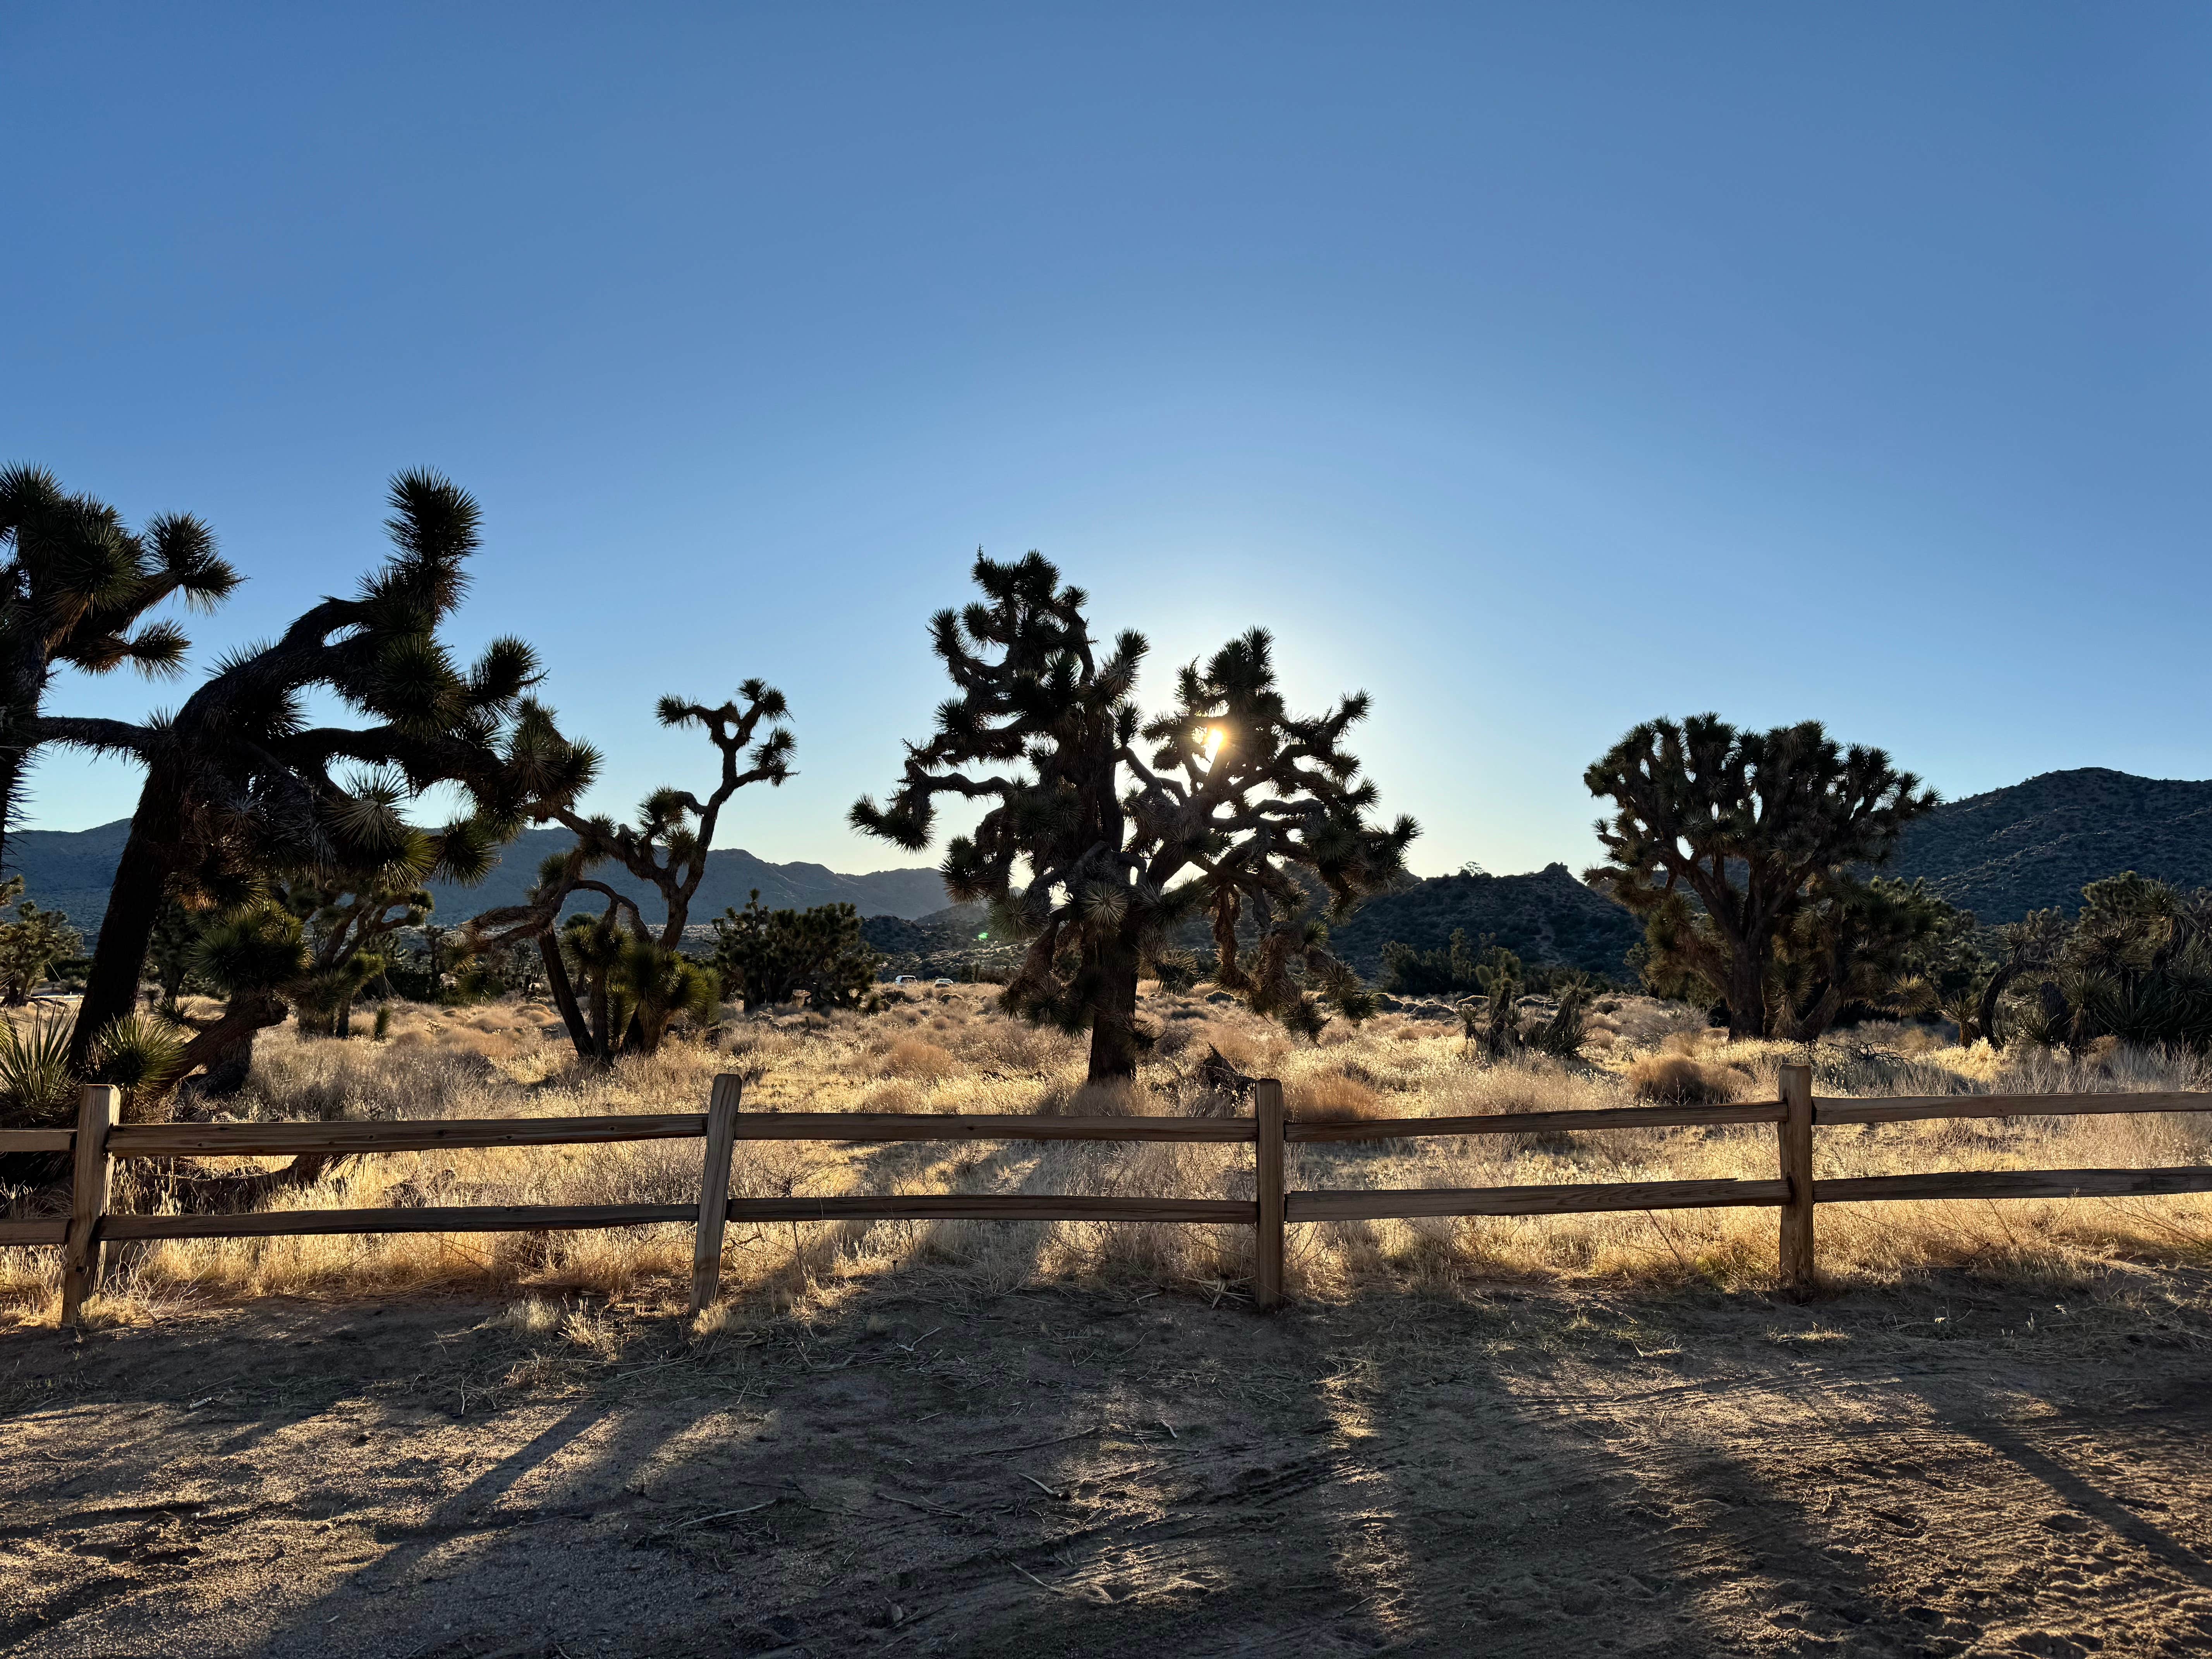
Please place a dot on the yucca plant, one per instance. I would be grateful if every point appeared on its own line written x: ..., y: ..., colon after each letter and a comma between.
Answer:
x: 592, y: 947
x: 2136, y: 966
x: 1962, y: 1007
x: 37, y: 1090
x: 144, y: 1055
x: 1499, y: 975
x: 1562, y: 1035
x: 657, y: 984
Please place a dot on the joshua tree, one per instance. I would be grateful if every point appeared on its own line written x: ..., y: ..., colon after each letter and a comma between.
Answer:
x: 669, y: 844
x: 633, y: 987
x: 2031, y: 945
x: 169, y: 952
x: 1237, y: 794
x: 2136, y: 966
x: 1880, y: 943
x: 237, y: 783
x: 674, y: 829
x: 1249, y: 797
x: 770, y: 956
x: 30, y: 945
x: 346, y: 929
x: 1745, y: 823
x: 75, y: 586
x: 257, y: 956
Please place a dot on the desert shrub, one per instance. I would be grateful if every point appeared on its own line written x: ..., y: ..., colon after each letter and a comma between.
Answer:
x: 1239, y: 1047
x: 1441, y: 973
x: 1333, y: 1095
x: 892, y: 1095
x: 1118, y: 1097
x: 911, y: 1057
x: 1679, y: 1079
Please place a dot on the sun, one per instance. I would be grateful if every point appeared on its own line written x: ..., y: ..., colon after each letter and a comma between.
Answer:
x: 1211, y: 738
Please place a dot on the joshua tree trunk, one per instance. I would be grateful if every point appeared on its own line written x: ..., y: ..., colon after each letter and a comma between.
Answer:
x: 134, y: 901
x: 647, y: 1032
x: 1747, y: 998
x: 564, y: 994
x: 602, y: 1014
x: 1999, y: 981
x: 1113, y: 965
x: 226, y: 1047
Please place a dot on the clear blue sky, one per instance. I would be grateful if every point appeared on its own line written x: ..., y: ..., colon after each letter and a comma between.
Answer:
x: 1539, y: 369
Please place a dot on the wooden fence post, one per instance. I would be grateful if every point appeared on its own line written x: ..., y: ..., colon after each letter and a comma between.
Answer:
x: 1795, y: 1130
x: 98, y: 1107
x: 1268, y: 1160
x: 715, y: 1190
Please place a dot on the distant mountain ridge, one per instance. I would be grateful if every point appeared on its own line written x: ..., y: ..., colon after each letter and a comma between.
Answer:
x: 2031, y: 844
x: 2028, y: 846
x: 71, y: 870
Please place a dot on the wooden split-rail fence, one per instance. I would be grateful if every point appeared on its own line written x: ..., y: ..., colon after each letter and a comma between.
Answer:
x: 98, y: 1140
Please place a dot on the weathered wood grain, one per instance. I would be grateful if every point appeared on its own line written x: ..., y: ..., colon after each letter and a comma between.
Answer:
x: 1904, y: 1109
x: 408, y: 1135
x: 436, y: 1218
x: 1532, y: 1123
x: 92, y: 1174
x: 1579, y: 1199
x: 993, y: 1207
x: 715, y: 1188
x: 2015, y: 1184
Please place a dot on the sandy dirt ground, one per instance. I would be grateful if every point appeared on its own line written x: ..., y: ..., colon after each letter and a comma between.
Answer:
x: 1949, y: 1469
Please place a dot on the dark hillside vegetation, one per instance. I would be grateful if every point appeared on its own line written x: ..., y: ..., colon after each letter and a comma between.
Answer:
x: 1547, y: 918
x: 2035, y: 845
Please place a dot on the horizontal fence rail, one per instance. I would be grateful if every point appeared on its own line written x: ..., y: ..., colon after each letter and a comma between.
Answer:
x: 2015, y: 1184
x: 405, y: 1136
x: 1906, y: 1108
x: 1531, y: 1123
x: 97, y: 1140
x: 979, y: 1126
x: 1582, y: 1198
x: 429, y: 1218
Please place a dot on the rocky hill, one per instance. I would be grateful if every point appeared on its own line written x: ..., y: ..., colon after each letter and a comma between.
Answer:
x: 70, y: 869
x: 2032, y: 846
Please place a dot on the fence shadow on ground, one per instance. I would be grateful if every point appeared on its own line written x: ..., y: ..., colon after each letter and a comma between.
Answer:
x: 1066, y: 1468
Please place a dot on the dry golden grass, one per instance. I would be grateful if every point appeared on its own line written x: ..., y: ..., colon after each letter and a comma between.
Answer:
x: 501, y: 1061
x: 1678, y: 1079
x: 1339, y: 1096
